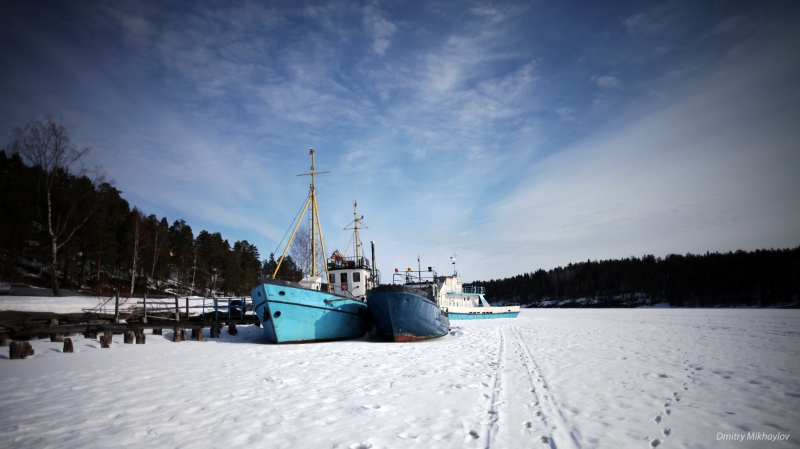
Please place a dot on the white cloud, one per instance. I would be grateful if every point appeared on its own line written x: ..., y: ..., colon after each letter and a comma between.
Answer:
x: 714, y: 171
x: 606, y: 81
x: 379, y: 28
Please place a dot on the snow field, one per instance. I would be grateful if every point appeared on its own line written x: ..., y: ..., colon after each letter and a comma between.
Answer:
x: 559, y: 378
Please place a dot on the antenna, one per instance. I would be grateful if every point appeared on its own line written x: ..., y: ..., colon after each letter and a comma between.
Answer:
x: 453, y: 258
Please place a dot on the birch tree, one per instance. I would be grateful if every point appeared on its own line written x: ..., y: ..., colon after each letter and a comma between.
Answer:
x: 46, y: 144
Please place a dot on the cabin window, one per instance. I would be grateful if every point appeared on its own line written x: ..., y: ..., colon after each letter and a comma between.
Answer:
x: 333, y: 278
x: 343, y: 277
x: 356, y: 277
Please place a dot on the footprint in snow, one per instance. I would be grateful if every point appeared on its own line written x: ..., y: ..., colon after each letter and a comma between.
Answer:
x: 657, y: 419
x: 655, y: 442
x: 473, y: 434
x: 527, y: 424
x: 666, y: 431
x: 370, y: 407
x: 544, y: 439
x: 360, y: 446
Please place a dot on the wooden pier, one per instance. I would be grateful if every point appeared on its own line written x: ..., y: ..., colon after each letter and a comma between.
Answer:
x: 211, y: 313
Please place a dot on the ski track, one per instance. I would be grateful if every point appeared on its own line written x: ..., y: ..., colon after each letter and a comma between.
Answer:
x: 552, y: 415
x: 491, y: 423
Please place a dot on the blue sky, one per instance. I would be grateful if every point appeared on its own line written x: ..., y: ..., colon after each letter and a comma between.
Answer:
x: 521, y: 135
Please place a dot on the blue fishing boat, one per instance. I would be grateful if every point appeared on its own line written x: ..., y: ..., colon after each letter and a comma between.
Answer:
x: 407, y: 310
x: 467, y: 302
x: 308, y: 310
x: 294, y: 313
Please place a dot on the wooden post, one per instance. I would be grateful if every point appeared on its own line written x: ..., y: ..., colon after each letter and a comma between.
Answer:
x: 232, y: 329
x: 214, y: 330
x: 158, y: 331
x: 56, y: 337
x: 89, y: 333
x: 144, y: 303
x: 197, y: 334
x: 178, y: 334
x: 116, y: 309
x: 128, y: 337
x: 140, y: 337
x: 187, y: 308
x: 20, y: 350
x: 109, y: 337
x: 177, y: 310
x: 105, y: 342
x: 3, y: 340
x: 67, y: 345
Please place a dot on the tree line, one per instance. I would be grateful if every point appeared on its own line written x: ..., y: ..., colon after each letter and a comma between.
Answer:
x: 758, y: 278
x: 62, y: 227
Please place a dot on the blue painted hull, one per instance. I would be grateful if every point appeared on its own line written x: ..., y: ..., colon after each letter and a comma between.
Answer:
x: 482, y: 316
x: 292, y: 314
x: 404, y: 316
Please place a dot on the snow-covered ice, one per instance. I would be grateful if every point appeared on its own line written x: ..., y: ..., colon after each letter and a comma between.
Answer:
x: 563, y: 378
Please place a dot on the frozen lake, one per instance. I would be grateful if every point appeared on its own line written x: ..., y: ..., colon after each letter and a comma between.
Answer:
x: 563, y: 378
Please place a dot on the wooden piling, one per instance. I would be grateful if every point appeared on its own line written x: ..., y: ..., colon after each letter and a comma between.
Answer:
x: 140, y: 338
x: 105, y: 341
x: 67, y: 345
x: 128, y: 338
x: 232, y: 329
x: 3, y: 340
x: 178, y: 334
x: 56, y: 337
x: 214, y: 333
x: 197, y: 334
x: 20, y: 350
x: 158, y: 331
x: 89, y: 333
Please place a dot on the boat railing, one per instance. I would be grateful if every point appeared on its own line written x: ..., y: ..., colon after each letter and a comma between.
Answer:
x: 348, y: 262
x: 414, y: 277
x: 474, y: 289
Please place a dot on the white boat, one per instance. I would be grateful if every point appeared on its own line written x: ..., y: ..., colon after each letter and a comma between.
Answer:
x: 467, y: 302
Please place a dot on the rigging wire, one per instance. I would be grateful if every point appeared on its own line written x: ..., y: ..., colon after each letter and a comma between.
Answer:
x: 290, y: 226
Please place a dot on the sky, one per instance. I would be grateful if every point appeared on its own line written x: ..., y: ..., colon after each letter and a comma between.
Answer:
x: 519, y: 135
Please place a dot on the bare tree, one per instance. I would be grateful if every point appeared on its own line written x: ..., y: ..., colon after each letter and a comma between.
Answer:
x: 46, y: 144
x: 301, y: 249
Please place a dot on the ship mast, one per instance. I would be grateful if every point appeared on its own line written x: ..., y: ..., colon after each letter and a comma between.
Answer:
x: 355, y: 228
x: 311, y: 203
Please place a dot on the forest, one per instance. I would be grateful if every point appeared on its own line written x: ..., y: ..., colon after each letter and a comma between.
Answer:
x: 67, y: 228
x: 762, y: 278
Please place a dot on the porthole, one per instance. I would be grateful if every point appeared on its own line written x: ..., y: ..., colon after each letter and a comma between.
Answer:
x: 277, y: 314
x: 259, y: 293
x: 281, y: 292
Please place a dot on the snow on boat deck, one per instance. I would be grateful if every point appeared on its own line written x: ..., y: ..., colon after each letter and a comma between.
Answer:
x: 570, y: 378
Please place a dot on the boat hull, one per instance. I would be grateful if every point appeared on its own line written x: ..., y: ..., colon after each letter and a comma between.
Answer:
x: 292, y: 314
x: 401, y: 316
x: 482, y: 316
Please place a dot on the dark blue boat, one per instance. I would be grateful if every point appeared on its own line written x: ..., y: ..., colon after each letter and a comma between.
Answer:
x: 407, y: 312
